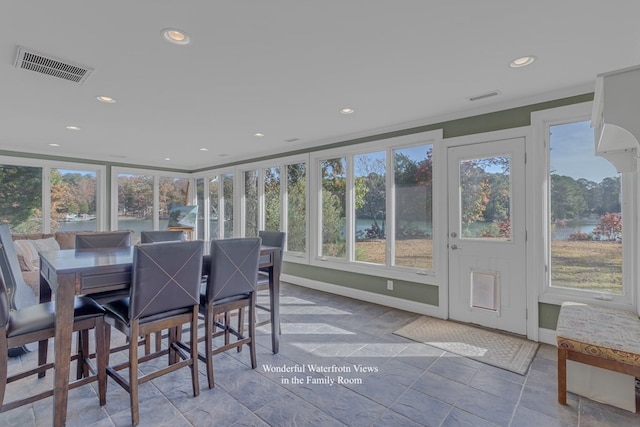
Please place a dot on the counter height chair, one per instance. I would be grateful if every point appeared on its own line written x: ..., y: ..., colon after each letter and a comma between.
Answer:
x: 161, y: 236
x: 36, y: 323
x: 164, y: 294
x: 231, y: 285
x: 276, y: 239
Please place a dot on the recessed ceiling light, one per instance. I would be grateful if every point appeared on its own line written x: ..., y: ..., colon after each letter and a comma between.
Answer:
x: 175, y: 36
x: 54, y: 145
x: 522, y: 61
x: 347, y: 111
x: 167, y: 158
x: 258, y: 134
x: 73, y: 127
x: 204, y: 149
x: 106, y: 99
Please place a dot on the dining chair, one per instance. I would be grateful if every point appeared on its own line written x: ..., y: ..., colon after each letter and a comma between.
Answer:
x: 164, y: 294
x: 231, y: 285
x: 161, y: 236
x: 276, y: 239
x: 106, y: 239
x: 36, y: 323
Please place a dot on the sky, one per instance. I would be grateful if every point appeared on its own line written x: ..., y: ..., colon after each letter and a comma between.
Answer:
x: 572, y: 153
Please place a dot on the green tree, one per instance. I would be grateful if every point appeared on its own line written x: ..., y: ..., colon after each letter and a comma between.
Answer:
x: 567, y: 198
x: 21, y: 197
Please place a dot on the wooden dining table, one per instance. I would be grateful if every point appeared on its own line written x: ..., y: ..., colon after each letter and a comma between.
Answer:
x: 69, y: 272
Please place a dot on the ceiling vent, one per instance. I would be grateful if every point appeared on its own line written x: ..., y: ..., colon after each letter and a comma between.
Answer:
x: 484, y: 95
x: 55, y: 67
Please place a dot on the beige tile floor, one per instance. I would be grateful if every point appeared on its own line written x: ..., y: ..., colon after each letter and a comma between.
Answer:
x: 404, y: 383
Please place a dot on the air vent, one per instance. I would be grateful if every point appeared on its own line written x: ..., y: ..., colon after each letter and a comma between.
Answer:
x: 292, y: 140
x: 484, y: 95
x: 55, y: 67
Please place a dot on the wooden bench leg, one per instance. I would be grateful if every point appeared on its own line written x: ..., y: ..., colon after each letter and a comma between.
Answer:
x: 562, y: 375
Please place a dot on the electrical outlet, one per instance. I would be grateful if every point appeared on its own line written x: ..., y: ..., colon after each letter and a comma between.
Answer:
x: 389, y: 285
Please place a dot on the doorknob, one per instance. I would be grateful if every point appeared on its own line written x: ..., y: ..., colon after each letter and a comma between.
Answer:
x: 454, y: 246
x: 454, y: 234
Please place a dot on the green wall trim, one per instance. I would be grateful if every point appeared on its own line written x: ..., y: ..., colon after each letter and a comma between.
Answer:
x: 418, y: 292
x: 548, y: 315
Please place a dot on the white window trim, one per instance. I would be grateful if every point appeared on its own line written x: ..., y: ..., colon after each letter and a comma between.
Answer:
x: 541, y: 121
x: 47, y: 165
x: 433, y: 138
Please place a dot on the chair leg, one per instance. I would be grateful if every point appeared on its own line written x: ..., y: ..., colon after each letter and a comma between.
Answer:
x: 133, y: 374
x: 158, y: 340
x: 4, y: 362
x: 252, y: 331
x: 209, y: 329
x: 83, y: 353
x: 241, y: 325
x: 43, y: 347
x: 195, y: 381
x: 102, y: 349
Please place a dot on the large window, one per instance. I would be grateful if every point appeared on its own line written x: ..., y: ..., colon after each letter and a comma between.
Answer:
x: 375, y: 207
x: 45, y: 197
x: 585, y: 213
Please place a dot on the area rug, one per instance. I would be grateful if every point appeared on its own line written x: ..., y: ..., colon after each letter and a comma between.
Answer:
x: 493, y: 348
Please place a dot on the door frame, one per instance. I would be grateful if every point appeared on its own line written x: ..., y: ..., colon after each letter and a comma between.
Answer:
x: 534, y: 236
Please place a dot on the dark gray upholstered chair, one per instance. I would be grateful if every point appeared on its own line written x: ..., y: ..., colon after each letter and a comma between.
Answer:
x: 161, y: 236
x: 164, y: 294
x: 276, y: 239
x: 37, y: 323
x: 106, y: 239
x: 231, y: 285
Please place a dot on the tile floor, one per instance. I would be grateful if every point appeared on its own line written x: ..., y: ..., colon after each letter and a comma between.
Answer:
x: 401, y: 383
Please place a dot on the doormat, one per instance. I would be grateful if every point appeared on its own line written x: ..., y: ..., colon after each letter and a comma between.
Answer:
x: 498, y: 349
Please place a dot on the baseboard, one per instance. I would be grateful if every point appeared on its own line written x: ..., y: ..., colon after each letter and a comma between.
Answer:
x: 399, y: 303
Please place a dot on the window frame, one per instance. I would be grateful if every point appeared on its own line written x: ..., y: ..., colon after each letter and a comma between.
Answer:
x: 416, y: 275
x: 541, y: 122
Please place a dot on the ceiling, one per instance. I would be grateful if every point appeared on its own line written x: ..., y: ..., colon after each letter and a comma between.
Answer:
x: 284, y: 68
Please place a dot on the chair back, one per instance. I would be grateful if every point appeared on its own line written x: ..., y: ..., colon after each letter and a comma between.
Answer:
x: 5, y: 309
x: 234, y: 267
x: 166, y: 278
x: 273, y: 238
x: 109, y: 239
x: 19, y: 294
x: 161, y: 236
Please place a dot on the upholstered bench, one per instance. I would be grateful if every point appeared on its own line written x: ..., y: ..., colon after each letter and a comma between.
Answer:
x: 598, y: 336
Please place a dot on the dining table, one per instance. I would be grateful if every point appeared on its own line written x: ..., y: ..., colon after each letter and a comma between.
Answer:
x: 68, y: 272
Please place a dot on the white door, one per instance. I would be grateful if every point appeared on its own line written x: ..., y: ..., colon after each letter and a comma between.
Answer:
x: 486, y: 244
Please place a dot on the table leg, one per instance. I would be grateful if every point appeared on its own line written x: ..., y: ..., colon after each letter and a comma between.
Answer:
x: 274, y: 296
x: 62, y: 344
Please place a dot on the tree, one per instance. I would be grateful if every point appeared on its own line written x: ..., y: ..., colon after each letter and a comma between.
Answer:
x: 21, y: 197
x: 567, y: 198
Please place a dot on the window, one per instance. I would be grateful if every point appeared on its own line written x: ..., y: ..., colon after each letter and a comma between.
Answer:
x: 413, y: 210
x: 589, y: 246
x: 374, y: 205
x: 272, y: 199
x: 334, y: 207
x: 135, y: 203
x: 21, y: 198
x: 585, y: 214
x: 172, y: 192
x: 251, y: 204
x: 227, y: 211
x: 370, y: 207
x: 73, y: 200
x: 296, y: 207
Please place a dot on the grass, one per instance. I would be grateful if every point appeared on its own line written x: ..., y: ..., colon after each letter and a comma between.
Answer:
x: 590, y: 265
